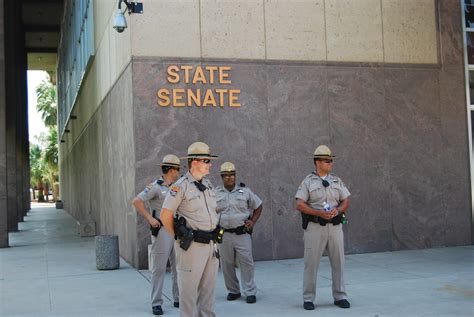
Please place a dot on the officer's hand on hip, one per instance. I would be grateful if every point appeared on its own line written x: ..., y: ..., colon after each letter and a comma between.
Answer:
x: 249, y: 223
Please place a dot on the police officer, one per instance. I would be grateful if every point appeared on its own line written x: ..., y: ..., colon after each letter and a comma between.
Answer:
x: 162, y: 247
x: 239, y: 209
x: 193, y: 199
x: 322, y: 199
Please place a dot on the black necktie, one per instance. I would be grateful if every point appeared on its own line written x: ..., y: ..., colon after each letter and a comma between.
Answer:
x: 200, y: 186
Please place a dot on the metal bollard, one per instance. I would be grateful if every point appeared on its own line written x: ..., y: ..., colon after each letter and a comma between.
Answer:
x: 107, y: 252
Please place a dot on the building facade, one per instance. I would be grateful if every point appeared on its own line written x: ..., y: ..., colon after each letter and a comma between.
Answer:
x: 263, y: 82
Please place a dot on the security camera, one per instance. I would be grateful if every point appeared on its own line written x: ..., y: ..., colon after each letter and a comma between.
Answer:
x: 120, y: 24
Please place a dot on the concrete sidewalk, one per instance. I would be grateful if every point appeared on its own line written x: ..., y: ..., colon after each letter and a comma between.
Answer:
x: 50, y: 271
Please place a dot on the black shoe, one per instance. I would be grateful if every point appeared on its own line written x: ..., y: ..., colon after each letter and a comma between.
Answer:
x: 232, y: 296
x: 251, y: 299
x: 343, y: 303
x: 157, y: 310
x: 308, y: 305
x: 176, y: 304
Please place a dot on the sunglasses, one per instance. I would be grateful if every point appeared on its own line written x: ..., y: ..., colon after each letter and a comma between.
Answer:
x: 176, y: 168
x: 205, y: 161
x: 326, y: 161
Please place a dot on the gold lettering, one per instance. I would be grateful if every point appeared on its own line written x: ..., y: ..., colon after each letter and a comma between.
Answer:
x: 233, y: 99
x: 186, y: 73
x: 209, y: 99
x: 211, y: 70
x: 221, y: 93
x: 192, y: 97
x: 199, y: 76
x: 223, y: 74
x: 163, y: 97
x: 173, y: 76
x: 177, y: 98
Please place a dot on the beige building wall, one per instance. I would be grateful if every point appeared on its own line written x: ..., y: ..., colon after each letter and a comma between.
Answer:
x: 112, y: 55
x: 381, y: 31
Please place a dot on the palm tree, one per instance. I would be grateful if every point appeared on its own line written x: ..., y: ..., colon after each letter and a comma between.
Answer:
x: 47, y: 105
x: 44, y: 167
x: 50, y: 159
x: 36, y: 171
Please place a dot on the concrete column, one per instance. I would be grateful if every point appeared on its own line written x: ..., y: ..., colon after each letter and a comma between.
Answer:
x: 22, y: 123
x: 12, y: 106
x: 3, y: 163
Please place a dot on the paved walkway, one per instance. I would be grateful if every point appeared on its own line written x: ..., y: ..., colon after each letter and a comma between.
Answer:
x: 50, y: 271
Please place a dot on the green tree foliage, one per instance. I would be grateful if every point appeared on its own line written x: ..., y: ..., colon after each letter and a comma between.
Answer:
x: 37, y: 170
x: 44, y: 156
x: 47, y: 105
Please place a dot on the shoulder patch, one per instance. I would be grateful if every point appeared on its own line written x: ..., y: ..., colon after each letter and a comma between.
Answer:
x: 149, y: 186
x: 174, y: 190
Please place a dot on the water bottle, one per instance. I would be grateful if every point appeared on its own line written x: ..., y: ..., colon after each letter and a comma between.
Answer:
x: 326, y: 207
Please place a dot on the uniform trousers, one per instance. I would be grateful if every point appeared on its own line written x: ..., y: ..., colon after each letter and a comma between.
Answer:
x: 238, y: 247
x: 197, y: 273
x: 162, y: 249
x: 316, y: 239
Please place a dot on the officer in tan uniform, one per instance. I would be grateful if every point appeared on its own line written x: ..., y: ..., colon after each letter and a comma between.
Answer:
x: 322, y: 199
x: 193, y: 199
x: 162, y: 248
x: 239, y: 209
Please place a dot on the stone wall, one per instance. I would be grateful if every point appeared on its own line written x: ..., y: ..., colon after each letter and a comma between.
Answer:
x: 97, y: 174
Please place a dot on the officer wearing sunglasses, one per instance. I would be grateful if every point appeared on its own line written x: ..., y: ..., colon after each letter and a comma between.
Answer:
x: 193, y: 199
x: 322, y: 199
x: 147, y: 204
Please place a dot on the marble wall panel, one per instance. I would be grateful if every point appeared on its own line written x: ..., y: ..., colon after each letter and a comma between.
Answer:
x: 454, y: 158
x: 450, y: 33
x: 415, y: 162
x: 163, y: 130
x: 298, y: 122
x: 458, y: 224
x: 369, y: 116
x: 358, y: 124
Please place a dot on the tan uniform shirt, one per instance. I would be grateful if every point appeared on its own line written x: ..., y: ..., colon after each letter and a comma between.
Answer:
x: 153, y: 195
x: 313, y: 192
x: 235, y: 206
x: 198, y: 208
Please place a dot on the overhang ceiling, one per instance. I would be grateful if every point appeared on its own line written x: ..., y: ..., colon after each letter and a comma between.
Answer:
x: 42, y: 24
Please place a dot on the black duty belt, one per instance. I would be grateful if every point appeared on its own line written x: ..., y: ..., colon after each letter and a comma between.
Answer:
x: 335, y: 221
x: 239, y: 230
x: 205, y: 236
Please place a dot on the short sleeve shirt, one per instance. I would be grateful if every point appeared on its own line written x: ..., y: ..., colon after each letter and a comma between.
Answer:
x: 198, y: 208
x: 236, y: 206
x: 315, y: 194
x: 154, y: 194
